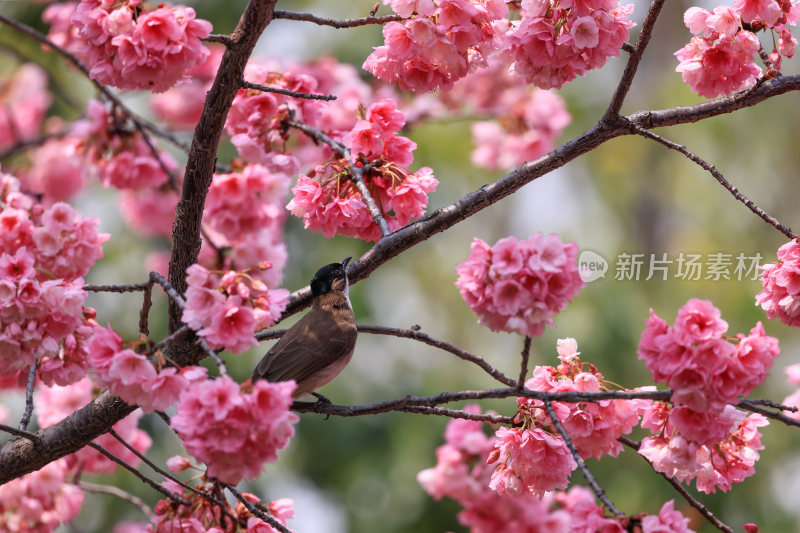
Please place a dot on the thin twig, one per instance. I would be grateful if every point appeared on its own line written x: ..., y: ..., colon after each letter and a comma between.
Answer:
x: 691, y: 500
x: 526, y: 354
x: 141, y: 476
x: 258, y: 513
x: 176, y: 298
x: 169, y: 338
x: 33, y: 437
x: 718, y: 176
x: 135, y: 287
x: 144, y: 312
x: 223, y: 370
x: 344, y: 23
x: 417, y: 335
x: 119, y: 493
x: 456, y: 413
x: 598, y: 490
x: 218, y: 38
x: 286, y: 92
x: 169, y: 476
x: 403, y: 403
x: 773, y: 405
x: 755, y: 408
x: 26, y: 416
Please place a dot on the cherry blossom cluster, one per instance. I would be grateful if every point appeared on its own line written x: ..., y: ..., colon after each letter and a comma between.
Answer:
x: 781, y: 280
x: 40, y: 501
x: 24, y: 100
x: 53, y: 404
x: 205, y: 516
x: 227, y: 310
x: 246, y: 201
x: 256, y: 121
x: 518, y: 286
x: 121, y: 156
x: 705, y: 371
x: 554, y: 42
x: 533, y: 457
x: 719, y: 59
x: 133, y: 377
x: 45, y: 253
x: 128, y: 46
x: 714, y: 465
x: 445, y: 41
x: 327, y: 199
x: 234, y: 431
x: 462, y: 474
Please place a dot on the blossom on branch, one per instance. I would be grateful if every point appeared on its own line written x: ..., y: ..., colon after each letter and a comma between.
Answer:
x: 518, y: 286
x: 438, y: 46
x: 719, y: 60
x: 127, y: 46
x: 554, y: 42
x: 228, y: 310
x: 235, y: 432
x: 781, y: 280
x: 705, y: 371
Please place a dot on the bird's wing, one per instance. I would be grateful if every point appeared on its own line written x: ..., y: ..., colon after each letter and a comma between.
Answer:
x: 304, y: 350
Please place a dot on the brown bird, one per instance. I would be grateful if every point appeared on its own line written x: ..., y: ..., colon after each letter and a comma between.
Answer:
x: 314, y: 350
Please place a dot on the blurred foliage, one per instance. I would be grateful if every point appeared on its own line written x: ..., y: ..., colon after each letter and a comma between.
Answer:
x: 630, y: 195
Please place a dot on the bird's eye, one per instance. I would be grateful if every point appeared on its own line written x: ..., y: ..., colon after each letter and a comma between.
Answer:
x: 338, y: 272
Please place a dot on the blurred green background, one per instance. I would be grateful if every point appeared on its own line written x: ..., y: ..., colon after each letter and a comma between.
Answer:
x: 628, y: 196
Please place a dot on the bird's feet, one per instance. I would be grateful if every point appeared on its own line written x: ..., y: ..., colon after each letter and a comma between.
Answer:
x: 321, y: 400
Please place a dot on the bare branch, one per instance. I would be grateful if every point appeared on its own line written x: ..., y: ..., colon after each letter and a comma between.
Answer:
x: 135, y: 287
x: 526, y: 354
x: 26, y: 416
x: 286, y: 92
x: 119, y: 493
x: 753, y: 406
x: 417, y: 335
x: 33, y: 437
x: 258, y: 513
x: 146, y: 480
x: 456, y: 413
x: 344, y: 23
x: 719, y: 177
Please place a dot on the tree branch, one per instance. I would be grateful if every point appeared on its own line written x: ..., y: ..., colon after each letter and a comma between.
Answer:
x: 345, y: 23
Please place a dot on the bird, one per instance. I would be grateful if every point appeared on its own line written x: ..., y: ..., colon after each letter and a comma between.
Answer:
x: 318, y: 347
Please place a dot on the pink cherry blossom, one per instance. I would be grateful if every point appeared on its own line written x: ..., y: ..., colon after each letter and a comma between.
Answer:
x: 151, y: 50
x: 56, y: 171
x: 705, y: 371
x: 555, y: 42
x: 41, y: 500
x: 534, y: 461
x: 668, y: 520
x: 232, y: 431
x: 781, y: 280
x: 24, y: 99
x: 522, y: 300
x: 435, y: 50
x: 55, y: 403
x: 227, y: 311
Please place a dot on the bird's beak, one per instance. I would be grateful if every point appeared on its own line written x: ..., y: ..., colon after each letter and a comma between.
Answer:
x: 345, y: 261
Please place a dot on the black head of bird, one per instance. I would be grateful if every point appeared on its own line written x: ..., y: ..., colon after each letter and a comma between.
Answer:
x: 318, y: 347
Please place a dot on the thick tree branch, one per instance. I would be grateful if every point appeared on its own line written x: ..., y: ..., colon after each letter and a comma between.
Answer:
x: 186, y: 239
